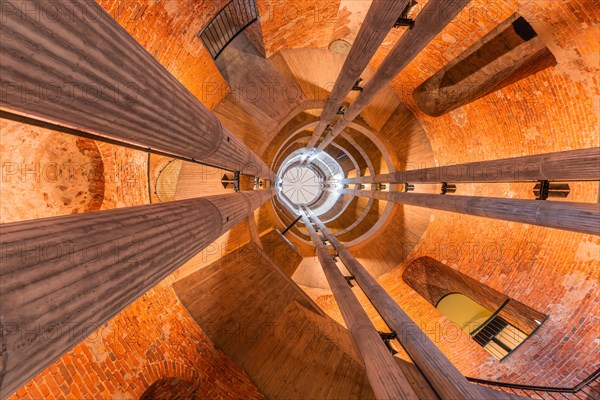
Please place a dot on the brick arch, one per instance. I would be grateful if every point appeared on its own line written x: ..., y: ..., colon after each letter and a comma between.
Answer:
x: 169, y: 389
x: 168, y: 370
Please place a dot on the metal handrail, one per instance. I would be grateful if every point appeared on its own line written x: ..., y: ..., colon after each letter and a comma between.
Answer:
x: 480, y: 327
x: 586, y: 383
x: 220, y: 26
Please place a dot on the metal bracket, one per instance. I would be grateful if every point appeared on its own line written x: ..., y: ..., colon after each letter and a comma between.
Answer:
x: 408, y: 187
x: 387, y: 338
x: 403, y: 20
x: 448, y: 188
x: 357, y: 85
x: 328, y: 128
x: 341, y: 110
x: 541, y: 190
x: 234, y: 181
x: 260, y: 183
x: 380, y: 186
x: 361, y: 186
x: 545, y: 189
x: 388, y: 335
x: 349, y: 279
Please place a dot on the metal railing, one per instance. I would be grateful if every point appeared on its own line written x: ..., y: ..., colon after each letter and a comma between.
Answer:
x: 233, y: 19
x: 588, y: 389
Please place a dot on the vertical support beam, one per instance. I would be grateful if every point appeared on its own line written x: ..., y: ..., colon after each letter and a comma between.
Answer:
x: 443, y: 376
x: 434, y: 17
x: 61, y: 278
x: 72, y: 64
x: 383, y: 372
x: 562, y: 166
x: 565, y: 215
x: 378, y: 22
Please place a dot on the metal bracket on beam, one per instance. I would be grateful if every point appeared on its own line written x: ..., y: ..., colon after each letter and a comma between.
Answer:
x: 387, y: 338
x: 380, y: 186
x: 545, y: 189
x: 541, y: 190
x: 341, y: 110
x: 361, y: 186
x: 408, y: 187
x: 388, y: 335
x: 349, y: 279
x: 448, y: 188
x: 231, y: 181
x: 403, y: 20
x: 261, y: 183
x: 357, y: 85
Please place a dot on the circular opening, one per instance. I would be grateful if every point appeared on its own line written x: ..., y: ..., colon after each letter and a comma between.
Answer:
x: 301, y: 185
x: 304, y: 179
x: 340, y: 46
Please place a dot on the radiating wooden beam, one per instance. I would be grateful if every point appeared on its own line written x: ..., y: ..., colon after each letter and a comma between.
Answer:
x: 72, y: 64
x: 383, y: 372
x: 430, y: 21
x: 565, y: 166
x: 61, y: 278
x: 565, y: 215
x: 441, y: 374
x: 380, y: 19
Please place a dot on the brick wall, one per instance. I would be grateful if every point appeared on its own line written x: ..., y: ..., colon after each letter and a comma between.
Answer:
x: 47, y: 173
x: 299, y: 23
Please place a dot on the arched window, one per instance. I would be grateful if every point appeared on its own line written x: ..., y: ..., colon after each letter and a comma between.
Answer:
x: 496, y: 322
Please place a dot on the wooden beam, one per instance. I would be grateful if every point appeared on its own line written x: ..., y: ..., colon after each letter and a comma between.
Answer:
x: 72, y: 64
x: 565, y: 215
x: 563, y: 166
x: 380, y: 19
x: 383, y: 372
x: 441, y: 374
x: 61, y: 278
x: 434, y: 17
